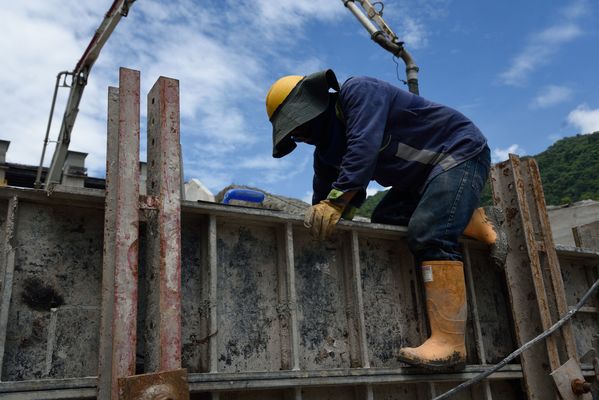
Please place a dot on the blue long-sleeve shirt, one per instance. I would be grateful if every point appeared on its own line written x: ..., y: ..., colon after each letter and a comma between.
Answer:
x: 391, y: 136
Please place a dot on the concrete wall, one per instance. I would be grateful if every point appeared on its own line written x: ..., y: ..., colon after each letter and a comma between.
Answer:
x: 52, y: 327
x: 564, y: 218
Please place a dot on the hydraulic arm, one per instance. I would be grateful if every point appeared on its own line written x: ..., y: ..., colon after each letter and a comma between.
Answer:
x: 372, y: 20
x: 80, y: 74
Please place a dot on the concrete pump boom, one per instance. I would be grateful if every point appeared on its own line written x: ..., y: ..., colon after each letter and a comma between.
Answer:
x: 383, y: 35
x: 118, y: 9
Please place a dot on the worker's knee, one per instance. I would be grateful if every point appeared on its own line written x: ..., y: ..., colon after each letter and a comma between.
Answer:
x: 420, y: 233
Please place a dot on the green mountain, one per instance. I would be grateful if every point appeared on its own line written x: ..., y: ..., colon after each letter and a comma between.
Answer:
x: 569, y: 171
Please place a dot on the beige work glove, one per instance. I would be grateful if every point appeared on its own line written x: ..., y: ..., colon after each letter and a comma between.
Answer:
x: 322, y: 218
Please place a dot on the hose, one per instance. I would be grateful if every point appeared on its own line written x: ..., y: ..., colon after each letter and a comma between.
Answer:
x: 523, y: 348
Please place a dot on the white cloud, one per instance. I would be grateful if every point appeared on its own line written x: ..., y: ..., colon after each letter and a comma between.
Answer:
x: 584, y: 118
x: 262, y: 162
x: 220, y: 65
x: 503, y: 154
x: 34, y: 47
x: 414, y: 33
x: 542, y: 46
x: 552, y: 95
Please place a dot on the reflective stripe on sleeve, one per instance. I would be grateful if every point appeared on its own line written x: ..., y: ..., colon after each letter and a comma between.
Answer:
x: 423, y: 156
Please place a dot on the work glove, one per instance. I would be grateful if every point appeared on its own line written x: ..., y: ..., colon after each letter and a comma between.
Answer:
x: 322, y: 218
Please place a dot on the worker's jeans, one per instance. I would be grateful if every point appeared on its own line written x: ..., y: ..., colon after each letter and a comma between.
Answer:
x: 438, y: 215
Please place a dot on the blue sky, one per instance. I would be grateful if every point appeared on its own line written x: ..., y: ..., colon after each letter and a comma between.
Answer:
x: 525, y: 72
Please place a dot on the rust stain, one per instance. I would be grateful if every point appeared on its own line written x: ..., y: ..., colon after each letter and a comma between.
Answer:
x: 511, y: 213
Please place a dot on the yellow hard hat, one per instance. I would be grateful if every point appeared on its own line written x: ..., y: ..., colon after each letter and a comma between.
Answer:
x: 294, y: 100
x: 279, y: 91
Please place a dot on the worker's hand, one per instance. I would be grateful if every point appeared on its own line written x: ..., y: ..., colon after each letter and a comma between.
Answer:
x: 322, y: 218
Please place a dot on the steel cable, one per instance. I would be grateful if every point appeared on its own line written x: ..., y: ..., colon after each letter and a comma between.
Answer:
x: 523, y: 348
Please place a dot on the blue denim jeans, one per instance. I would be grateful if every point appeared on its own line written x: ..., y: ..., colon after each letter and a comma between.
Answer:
x: 437, y: 215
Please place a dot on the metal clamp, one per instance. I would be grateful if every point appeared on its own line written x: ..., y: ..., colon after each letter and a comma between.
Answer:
x: 166, y: 385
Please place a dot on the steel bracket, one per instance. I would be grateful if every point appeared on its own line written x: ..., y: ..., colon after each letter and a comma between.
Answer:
x: 566, y: 378
x: 170, y: 385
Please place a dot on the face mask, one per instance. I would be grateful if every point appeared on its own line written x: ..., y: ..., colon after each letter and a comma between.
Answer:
x: 312, y: 131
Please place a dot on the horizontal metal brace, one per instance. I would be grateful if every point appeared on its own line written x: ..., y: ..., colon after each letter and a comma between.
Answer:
x: 94, y: 198
x: 358, y: 376
x: 83, y: 387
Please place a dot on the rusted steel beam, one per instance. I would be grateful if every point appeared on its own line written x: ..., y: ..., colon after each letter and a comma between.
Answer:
x: 163, y: 319
x: 535, y: 262
x: 558, y: 292
x: 126, y: 186
x: 7, y: 271
x: 105, y: 352
x: 530, y: 310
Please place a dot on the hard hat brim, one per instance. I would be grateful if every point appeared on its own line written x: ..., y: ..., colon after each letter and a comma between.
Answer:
x: 308, y: 99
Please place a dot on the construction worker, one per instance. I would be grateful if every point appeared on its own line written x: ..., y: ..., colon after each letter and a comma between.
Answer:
x: 434, y: 159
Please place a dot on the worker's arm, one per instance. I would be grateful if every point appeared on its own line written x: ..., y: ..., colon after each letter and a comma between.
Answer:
x: 365, y: 104
x: 324, y: 176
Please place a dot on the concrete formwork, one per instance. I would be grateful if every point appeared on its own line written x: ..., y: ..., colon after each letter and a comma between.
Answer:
x: 238, y: 310
x: 246, y: 302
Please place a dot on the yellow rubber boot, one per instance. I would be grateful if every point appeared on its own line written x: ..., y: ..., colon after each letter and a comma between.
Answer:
x: 446, y: 305
x: 480, y: 227
x: 485, y: 226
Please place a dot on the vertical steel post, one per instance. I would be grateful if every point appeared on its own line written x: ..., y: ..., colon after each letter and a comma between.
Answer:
x: 213, y: 298
x: 355, y: 308
x: 288, y: 304
x: 558, y: 291
x: 163, y: 319
x: 480, y: 348
x: 126, y: 187
x: 287, y: 299
x: 525, y: 285
x: 7, y: 272
x: 105, y: 354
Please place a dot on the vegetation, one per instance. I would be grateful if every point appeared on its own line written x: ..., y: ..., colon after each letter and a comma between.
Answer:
x: 568, y: 171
